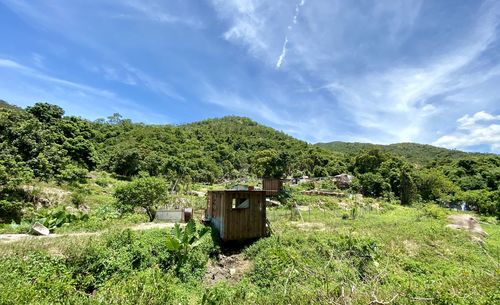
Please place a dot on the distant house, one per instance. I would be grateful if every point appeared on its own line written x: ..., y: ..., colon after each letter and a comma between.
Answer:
x: 237, y: 214
x: 272, y: 186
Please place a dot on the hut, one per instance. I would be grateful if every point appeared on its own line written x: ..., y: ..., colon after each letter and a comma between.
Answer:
x: 272, y: 186
x: 237, y: 214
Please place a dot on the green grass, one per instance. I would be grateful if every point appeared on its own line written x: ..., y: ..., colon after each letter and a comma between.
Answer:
x: 380, y: 251
x: 400, y: 254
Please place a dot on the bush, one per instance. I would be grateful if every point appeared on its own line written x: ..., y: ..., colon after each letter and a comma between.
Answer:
x: 72, y: 174
x: 182, y: 242
x: 78, y: 198
x: 36, y: 278
x: 482, y: 201
x: 10, y: 211
x: 432, y: 211
x: 55, y: 218
x: 373, y: 184
x: 124, y: 252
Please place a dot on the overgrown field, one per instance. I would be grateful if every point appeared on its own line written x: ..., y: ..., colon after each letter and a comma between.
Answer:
x: 377, y: 253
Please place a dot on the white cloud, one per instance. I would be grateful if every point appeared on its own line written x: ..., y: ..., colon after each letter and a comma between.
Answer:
x: 481, y: 128
x: 272, y: 112
x: 156, y: 12
x: 466, y: 122
x: 290, y: 27
x: 283, y: 54
x: 400, y: 99
x: 397, y: 100
x: 152, y: 83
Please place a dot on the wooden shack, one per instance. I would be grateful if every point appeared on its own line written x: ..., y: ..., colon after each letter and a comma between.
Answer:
x: 236, y: 214
x: 272, y: 186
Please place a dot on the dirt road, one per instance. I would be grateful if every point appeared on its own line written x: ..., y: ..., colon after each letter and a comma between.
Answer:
x: 8, y: 238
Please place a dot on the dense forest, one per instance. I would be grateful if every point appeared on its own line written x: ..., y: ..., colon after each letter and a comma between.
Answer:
x: 41, y: 143
x: 420, y: 154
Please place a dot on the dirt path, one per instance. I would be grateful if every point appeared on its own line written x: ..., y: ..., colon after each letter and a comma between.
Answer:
x: 8, y: 238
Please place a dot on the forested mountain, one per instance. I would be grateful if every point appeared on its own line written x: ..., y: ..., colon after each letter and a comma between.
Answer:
x: 39, y: 142
x: 42, y: 142
x: 413, y: 152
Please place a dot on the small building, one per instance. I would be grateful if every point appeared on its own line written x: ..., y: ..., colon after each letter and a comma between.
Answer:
x: 237, y: 214
x: 176, y: 215
x: 272, y: 186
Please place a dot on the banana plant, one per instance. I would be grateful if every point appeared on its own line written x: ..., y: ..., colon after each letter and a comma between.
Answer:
x: 181, y: 241
x: 57, y: 217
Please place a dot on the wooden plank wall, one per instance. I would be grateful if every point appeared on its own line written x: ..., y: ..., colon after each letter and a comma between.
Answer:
x: 272, y: 186
x: 238, y: 224
x: 246, y: 223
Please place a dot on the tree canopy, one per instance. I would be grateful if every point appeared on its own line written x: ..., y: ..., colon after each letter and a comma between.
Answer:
x: 41, y: 142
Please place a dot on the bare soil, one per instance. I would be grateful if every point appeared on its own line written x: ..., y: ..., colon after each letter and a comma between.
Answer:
x: 468, y: 223
x: 230, y: 268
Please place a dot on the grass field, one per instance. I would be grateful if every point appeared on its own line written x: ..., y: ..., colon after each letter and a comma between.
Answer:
x: 377, y: 254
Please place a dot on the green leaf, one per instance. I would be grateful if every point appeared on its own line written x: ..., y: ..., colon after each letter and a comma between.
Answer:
x: 172, y: 243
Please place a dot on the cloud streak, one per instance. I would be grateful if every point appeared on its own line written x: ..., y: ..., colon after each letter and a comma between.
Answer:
x: 74, y: 96
x: 281, y: 58
x: 10, y: 64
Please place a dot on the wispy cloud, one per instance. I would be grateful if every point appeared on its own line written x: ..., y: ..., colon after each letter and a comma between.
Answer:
x: 7, y: 63
x: 78, y: 97
x: 283, y: 53
x: 151, y: 82
x: 380, y: 71
x: 375, y: 77
x: 399, y: 100
x: 155, y: 11
x: 281, y: 58
x: 243, y: 105
x: 129, y: 75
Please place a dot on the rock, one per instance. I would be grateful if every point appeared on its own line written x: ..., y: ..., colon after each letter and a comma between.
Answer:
x: 39, y: 229
x: 342, y: 181
x: 232, y: 271
x: 467, y: 223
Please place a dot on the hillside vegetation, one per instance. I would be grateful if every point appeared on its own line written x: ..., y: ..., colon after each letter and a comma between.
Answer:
x: 96, y: 185
x: 416, y: 153
x: 39, y: 143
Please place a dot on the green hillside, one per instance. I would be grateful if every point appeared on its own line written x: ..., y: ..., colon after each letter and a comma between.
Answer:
x: 50, y: 145
x: 415, y: 153
x: 41, y: 143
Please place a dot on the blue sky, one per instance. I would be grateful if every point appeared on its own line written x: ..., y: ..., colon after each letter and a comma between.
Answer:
x: 366, y: 71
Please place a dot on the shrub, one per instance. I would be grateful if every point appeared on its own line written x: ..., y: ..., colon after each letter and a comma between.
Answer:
x: 72, y: 174
x: 10, y: 211
x: 78, y: 198
x: 106, y: 211
x: 373, y: 184
x: 433, y: 211
x: 54, y: 218
x: 482, y: 201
